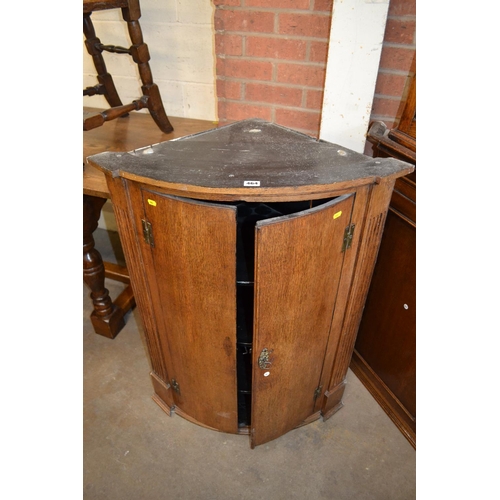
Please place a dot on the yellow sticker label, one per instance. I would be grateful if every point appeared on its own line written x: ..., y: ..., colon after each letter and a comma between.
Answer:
x: 337, y: 215
x: 153, y: 202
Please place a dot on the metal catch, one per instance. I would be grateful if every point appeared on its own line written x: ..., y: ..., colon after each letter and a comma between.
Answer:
x: 264, y: 361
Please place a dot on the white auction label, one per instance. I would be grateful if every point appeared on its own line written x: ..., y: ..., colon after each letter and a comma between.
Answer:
x: 251, y: 183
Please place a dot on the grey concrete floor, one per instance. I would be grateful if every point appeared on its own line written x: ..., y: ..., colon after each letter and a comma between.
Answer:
x: 133, y: 450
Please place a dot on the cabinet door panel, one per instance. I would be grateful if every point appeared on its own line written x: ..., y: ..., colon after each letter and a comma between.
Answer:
x: 298, y: 263
x: 194, y: 269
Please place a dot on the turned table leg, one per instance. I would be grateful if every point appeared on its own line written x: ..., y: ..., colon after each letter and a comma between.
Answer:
x: 106, y: 318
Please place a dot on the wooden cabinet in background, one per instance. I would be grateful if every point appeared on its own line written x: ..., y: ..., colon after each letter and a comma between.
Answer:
x: 250, y: 250
x: 384, y: 357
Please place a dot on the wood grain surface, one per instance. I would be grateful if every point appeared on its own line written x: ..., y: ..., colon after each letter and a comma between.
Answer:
x: 296, y: 289
x: 194, y: 269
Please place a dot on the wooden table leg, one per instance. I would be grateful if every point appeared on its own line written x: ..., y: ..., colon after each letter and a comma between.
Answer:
x: 107, y: 318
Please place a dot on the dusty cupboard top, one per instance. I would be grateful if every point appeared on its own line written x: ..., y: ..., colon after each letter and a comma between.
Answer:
x: 250, y: 160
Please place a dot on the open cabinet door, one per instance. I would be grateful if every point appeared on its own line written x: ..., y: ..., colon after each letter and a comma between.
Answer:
x: 193, y: 268
x: 298, y: 263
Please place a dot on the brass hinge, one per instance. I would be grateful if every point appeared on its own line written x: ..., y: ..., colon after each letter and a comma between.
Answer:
x: 147, y: 231
x: 317, y: 392
x: 175, y: 386
x: 348, y: 235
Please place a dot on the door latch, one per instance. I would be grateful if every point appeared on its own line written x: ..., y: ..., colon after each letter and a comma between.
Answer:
x: 264, y: 361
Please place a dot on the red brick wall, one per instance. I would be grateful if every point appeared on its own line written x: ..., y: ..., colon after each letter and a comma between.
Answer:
x: 271, y: 60
x: 397, y: 55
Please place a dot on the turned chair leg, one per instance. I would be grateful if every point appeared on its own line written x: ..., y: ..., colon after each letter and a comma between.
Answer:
x: 106, y: 85
x: 140, y: 54
x: 107, y: 319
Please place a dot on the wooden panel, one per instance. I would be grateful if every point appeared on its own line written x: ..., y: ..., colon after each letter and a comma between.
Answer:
x: 194, y: 268
x: 407, y: 187
x: 384, y: 355
x: 368, y: 245
x: 391, y: 356
x: 404, y: 206
x: 298, y: 265
x: 408, y: 121
x: 333, y: 393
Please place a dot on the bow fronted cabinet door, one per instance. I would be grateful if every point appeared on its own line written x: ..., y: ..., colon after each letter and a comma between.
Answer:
x: 298, y: 268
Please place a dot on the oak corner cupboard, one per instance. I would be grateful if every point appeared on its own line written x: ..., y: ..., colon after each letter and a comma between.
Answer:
x: 250, y: 249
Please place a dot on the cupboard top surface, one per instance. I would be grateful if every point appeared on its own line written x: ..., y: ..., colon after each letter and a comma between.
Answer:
x: 249, y: 158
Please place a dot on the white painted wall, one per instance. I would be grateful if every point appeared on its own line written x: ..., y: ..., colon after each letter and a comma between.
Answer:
x: 179, y: 35
x: 356, y: 37
x: 180, y: 38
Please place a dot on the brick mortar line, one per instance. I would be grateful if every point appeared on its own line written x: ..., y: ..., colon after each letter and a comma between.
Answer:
x: 408, y: 17
x: 392, y: 45
x: 313, y: 64
x: 308, y: 50
x: 275, y: 105
x: 394, y: 72
x: 272, y: 35
x: 243, y: 47
x: 269, y: 82
x: 389, y: 97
